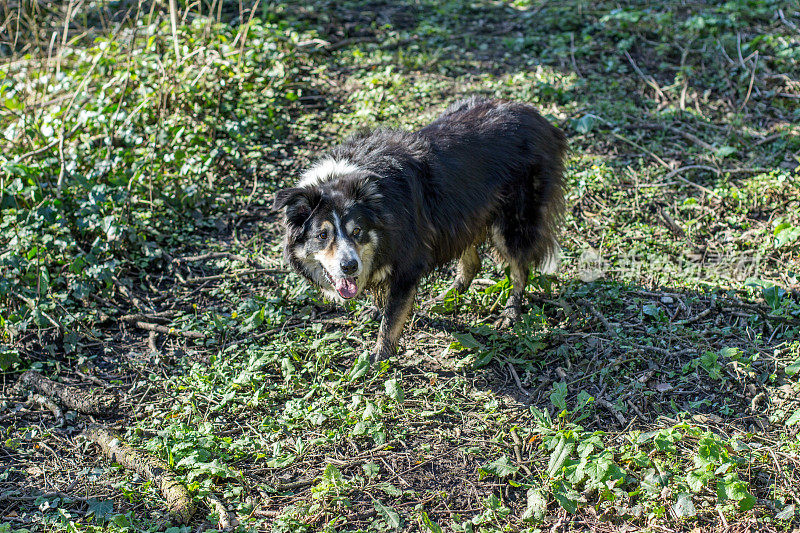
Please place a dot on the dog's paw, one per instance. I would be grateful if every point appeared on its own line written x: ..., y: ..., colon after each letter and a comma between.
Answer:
x: 508, y: 317
x: 380, y: 354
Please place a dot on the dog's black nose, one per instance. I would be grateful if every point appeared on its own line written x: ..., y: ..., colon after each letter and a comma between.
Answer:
x: 349, y: 266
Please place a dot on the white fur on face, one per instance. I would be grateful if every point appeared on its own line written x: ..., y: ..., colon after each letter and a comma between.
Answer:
x: 345, y: 251
x: 325, y: 170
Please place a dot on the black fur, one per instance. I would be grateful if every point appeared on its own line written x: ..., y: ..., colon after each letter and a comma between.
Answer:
x: 485, y: 168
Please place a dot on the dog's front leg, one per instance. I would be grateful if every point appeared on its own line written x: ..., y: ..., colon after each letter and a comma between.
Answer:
x: 398, y: 306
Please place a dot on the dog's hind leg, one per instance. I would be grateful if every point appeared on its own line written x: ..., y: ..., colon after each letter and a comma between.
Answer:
x: 399, y: 303
x: 518, y: 272
x: 469, y: 264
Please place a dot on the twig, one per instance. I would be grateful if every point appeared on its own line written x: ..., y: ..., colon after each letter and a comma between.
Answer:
x: 692, y: 137
x: 599, y: 316
x: 647, y: 79
x: 608, y: 405
x: 695, y: 318
x: 675, y: 173
x: 517, y: 380
x: 752, y: 78
x: 671, y: 224
x: 168, y: 331
x: 48, y: 404
x: 642, y: 148
x: 225, y: 521
x: 788, y: 23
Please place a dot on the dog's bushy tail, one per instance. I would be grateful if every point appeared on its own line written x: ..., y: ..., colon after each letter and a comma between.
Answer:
x: 547, y: 251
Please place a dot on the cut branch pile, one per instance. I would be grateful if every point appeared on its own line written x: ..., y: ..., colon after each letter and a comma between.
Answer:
x: 94, y: 401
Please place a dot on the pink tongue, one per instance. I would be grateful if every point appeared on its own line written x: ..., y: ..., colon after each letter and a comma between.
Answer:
x: 346, y: 287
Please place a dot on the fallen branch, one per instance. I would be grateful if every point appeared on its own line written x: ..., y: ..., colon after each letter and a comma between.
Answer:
x: 610, y: 407
x: 168, y: 331
x: 179, y: 502
x: 48, y: 404
x: 92, y: 401
x: 225, y: 520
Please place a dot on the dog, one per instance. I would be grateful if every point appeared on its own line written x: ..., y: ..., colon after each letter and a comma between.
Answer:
x: 387, y: 207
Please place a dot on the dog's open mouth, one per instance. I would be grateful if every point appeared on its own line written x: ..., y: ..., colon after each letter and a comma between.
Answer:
x: 346, y: 287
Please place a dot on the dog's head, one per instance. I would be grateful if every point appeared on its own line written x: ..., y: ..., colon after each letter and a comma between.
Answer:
x: 332, y: 231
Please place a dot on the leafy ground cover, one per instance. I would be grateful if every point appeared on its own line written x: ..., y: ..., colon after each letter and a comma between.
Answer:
x: 652, y: 382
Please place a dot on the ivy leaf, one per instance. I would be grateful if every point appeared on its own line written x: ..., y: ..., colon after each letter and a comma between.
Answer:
x: 559, y: 395
x: 100, y: 508
x: 390, y: 489
x: 566, y: 497
x: 466, y: 340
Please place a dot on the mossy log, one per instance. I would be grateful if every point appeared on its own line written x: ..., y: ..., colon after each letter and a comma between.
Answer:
x: 178, y: 501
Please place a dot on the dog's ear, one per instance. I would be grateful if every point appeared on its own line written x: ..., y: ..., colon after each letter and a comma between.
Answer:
x: 365, y: 189
x: 298, y: 203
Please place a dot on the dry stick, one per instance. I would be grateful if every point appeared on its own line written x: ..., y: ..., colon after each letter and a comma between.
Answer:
x: 647, y: 79
x: 168, y: 331
x: 692, y: 137
x: 789, y: 23
x: 173, y: 21
x: 218, y: 506
x: 608, y: 405
x: 517, y: 380
x: 179, y: 502
x: 599, y: 316
x: 752, y: 78
x: 88, y: 401
x: 48, y: 404
x: 696, y: 317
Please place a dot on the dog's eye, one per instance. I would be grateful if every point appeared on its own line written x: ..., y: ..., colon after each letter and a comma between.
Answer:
x: 356, y: 232
x: 322, y: 235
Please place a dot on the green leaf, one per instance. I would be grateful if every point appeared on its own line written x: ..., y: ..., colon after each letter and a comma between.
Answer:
x: 684, y: 507
x: 388, y: 514
x: 793, y: 368
x: 559, y: 395
x: 429, y: 524
x: 536, y: 507
x: 725, y: 151
x: 567, y: 497
x: 7, y: 358
x: 371, y: 469
x: 732, y: 488
x: 787, y: 513
x: 585, y: 124
x: 390, y: 489
x: 100, y: 508
x: 794, y: 419
x: 560, y: 453
x: 466, y: 340
x: 501, y: 467
x: 360, y: 367
x: 394, y: 390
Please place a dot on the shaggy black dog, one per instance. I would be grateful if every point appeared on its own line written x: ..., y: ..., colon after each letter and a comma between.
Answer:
x: 386, y: 207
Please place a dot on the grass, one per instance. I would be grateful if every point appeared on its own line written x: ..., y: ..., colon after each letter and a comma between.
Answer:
x: 652, y: 383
